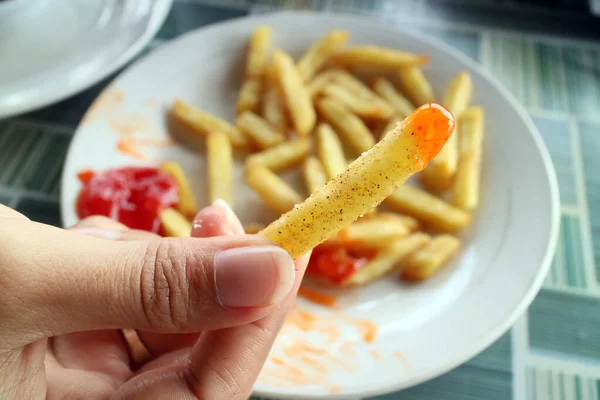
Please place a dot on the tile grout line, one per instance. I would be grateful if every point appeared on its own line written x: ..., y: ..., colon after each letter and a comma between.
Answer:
x: 588, y: 252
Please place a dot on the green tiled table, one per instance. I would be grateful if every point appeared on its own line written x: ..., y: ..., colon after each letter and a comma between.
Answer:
x: 553, y: 351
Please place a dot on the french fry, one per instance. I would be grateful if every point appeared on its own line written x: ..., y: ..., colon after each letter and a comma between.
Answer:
x: 249, y: 98
x: 282, y: 156
x: 187, y: 201
x: 438, y: 176
x: 330, y: 151
x: 388, y: 259
x: 465, y: 191
x: 314, y: 174
x: 429, y: 259
x: 318, y: 83
x: 174, y: 223
x: 375, y: 232
x: 349, y: 126
x: 278, y: 195
x: 360, y: 106
x: 253, y: 228
x: 416, y: 87
x: 317, y: 54
x: 412, y: 224
x: 365, y: 183
x: 375, y: 57
x: 258, y: 53
x: 388, y: 91
x: 427, y: 208
x: 272, y: 107
x: 202, y: 123
x: 258, y: 130
x: 299, y: 102
x: 219, y: 168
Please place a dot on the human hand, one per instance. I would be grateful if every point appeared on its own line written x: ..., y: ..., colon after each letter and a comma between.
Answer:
x: 65, y: 295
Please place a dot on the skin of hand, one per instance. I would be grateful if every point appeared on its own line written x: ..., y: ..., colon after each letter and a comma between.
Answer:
x: 207, y: 309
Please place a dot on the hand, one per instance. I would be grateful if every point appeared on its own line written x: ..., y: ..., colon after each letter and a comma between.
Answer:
x: 65, y: 295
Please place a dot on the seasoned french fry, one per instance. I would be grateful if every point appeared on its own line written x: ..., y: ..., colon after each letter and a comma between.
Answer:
x: 429, y: 259
x: 465, y: 192
x: 249, y: 99
x: 258, y: 53
x: 187, y: 201
x: 174, y: 223
x: 416, y: 87
x: 359, y: 105
x: 367, y: 181
x: 349, y: 126
x: 253, y: 228
x: 330, y: 151
x: 375, y: 232
x: 317, y: 54
x: 314, y: 174
x: 388, y: 259
x: 272, y: 107
x: 438, y: 176
x: 378, y: 57
x: 258, y: 130
x: 219, y: 168
x: 388, y: 91
x: 296, y: 96
x: 318, y: 83
x: 278, y: 195
x: 203, y: 123
x: 432, y: 210
x: 282, y: 156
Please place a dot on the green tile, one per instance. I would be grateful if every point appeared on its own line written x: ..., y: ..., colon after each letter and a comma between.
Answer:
x: 545, y: 384
x: 44, y: 211
x: 468, y: 43
x: 5, y: 200
x: 497, y: 357
x: 565, y: 323
x: 568, y: 267
x: 583, y: 80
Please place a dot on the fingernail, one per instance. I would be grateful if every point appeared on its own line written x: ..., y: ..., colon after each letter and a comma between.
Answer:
x: 232, y: 219
x: 99, y: 233
x: 254, y: 276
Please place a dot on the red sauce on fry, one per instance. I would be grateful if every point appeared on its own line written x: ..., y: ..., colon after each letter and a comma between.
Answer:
x: 335, y: 263
x: 432, y: 126
x: 130, y: 195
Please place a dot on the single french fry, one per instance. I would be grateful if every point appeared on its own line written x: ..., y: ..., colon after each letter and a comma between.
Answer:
x: 412, y: 224
x: 314, y: 174
x: 278, y: 195
x: 439, y: 175
x: 426, y: 207
x: 258, y: 53
x: 258, y: 130
x: 318, y: 83
x: 202, y: 123
x: 465, y: 192
x: 378, y: 57
x: 282, y: 156
x: 317, y: 54
x: 187, y: 201
x: 416, y: 87
x: 253, y: 228
x: 295, y: 93
x: 388, y: 259
x: 349, y: 126
x: 273, y: 110
x: 429, y: 259
x: 375, y: 232
x: 174, y: 223
x: 219, y: 168
x: 330, y: 151
x: 365, y: 183
x: 388, y: 91
x: 249, y: 98
x: 359, y: 105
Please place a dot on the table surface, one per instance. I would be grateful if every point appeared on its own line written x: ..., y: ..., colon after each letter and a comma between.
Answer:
x: 553, y: 351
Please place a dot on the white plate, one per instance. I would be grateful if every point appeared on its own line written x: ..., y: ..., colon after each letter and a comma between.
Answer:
x: 424, y: 330
x: 53, y: 49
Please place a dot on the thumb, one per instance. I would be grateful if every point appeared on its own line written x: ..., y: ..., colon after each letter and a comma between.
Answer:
x: 54, y: 281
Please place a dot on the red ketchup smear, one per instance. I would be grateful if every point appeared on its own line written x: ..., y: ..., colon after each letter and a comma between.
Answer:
x: 130, y: 195
x: 335, y: 263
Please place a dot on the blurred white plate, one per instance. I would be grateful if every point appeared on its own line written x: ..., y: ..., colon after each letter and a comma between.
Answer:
x: 50, y: 50
x: 423, y: 330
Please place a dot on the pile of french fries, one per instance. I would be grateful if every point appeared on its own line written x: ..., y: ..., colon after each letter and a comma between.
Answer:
x: 317, y: 112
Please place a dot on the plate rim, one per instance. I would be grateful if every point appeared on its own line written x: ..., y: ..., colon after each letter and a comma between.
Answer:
x: 155, y: 23
x: 554, y: 201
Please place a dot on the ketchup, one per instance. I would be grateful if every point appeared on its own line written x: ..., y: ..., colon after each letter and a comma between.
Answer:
x: 131, y: 195
x: 335, y: 263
